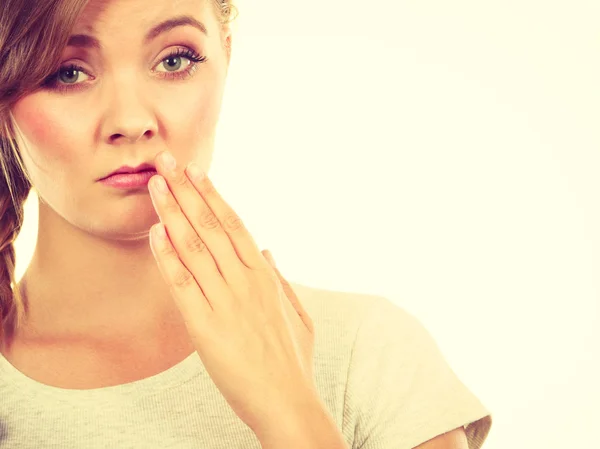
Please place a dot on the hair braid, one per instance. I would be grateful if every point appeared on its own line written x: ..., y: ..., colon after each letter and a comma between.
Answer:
x: 14, y: 189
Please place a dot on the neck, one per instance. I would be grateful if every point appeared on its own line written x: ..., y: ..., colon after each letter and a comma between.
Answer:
x: 79, y: 282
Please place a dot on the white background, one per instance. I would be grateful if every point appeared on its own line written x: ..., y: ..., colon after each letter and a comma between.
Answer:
x: 444, y: 154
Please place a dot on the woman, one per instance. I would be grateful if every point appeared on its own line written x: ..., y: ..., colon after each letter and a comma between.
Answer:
x: 116, y: 337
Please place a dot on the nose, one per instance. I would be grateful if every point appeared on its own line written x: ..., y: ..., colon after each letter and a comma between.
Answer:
x: 128, y: 115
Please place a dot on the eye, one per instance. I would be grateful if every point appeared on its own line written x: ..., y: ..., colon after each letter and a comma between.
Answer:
x: 173, y: 62
x: 65, y: 79
x: 68, y: 74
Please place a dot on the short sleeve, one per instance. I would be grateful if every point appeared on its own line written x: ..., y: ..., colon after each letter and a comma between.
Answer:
x: 401, y: 391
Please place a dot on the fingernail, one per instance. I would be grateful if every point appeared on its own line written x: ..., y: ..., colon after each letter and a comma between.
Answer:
x: 194, y: 171
x: 168, y: 160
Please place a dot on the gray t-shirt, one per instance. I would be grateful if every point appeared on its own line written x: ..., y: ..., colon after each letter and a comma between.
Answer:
x: 377, y: 369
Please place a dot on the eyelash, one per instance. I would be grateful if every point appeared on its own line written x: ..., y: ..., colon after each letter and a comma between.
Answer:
x: 52, y: 83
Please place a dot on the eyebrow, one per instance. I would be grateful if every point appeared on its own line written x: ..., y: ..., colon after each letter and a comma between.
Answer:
x: 86, y: 41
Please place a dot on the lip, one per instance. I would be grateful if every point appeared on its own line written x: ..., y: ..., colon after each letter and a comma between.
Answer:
x: 129, y: 180
x: 127, y: 169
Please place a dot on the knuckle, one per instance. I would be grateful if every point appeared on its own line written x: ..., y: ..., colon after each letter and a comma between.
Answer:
x: 232, y: 223
x: 195, y: 244
x: 182, y: 279
x: 208, y: 219
x: 272, y: 281
x: 207, y: 188
x: 168, y: 251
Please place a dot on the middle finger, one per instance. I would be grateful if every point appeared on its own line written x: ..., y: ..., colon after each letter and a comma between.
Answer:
x: 202, y: 244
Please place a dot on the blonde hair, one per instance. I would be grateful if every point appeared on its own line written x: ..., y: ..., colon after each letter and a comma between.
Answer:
x: 32, y: 39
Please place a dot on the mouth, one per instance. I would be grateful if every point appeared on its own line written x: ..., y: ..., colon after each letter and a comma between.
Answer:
x: 133, y: 180
x: 125, y: 169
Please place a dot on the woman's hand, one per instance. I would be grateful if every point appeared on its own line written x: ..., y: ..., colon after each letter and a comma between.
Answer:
x: 246, y: 323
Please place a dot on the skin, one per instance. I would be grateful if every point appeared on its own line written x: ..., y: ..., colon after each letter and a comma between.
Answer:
x: 93, y: 272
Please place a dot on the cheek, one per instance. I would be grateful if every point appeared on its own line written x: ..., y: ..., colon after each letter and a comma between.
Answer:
x: 43, y: 128
x: 199, y: 116
x: 193, y: 121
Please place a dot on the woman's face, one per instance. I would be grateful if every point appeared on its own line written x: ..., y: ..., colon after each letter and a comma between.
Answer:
x: 127, y: 101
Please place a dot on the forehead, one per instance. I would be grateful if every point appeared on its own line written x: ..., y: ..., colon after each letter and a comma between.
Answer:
x: 109, y: 16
